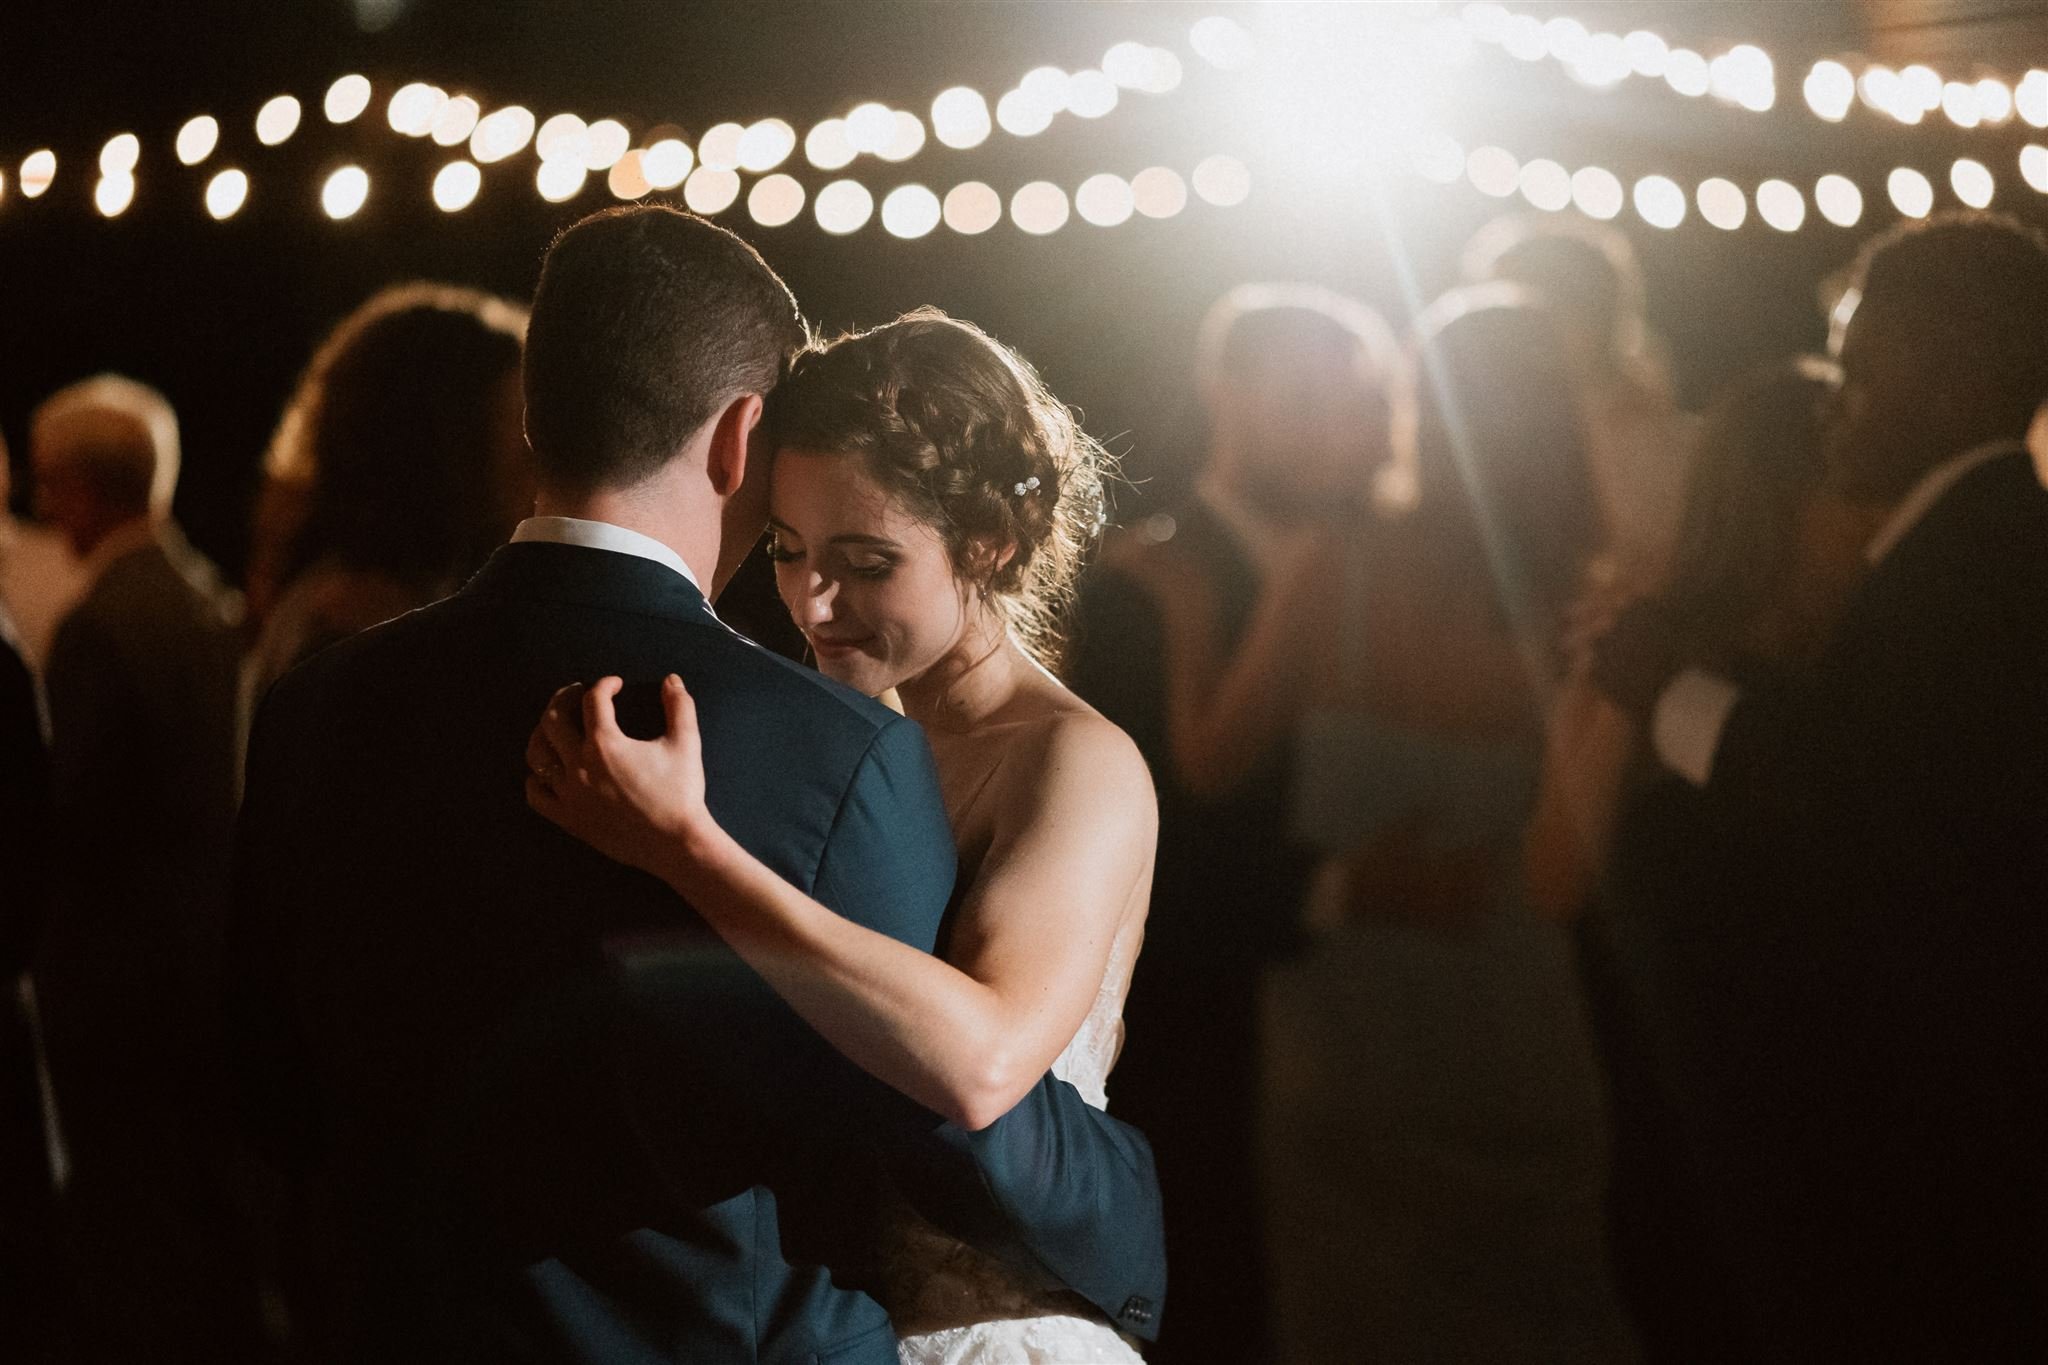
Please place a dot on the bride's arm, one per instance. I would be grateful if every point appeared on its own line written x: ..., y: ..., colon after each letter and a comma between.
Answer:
x: 966, y: 1038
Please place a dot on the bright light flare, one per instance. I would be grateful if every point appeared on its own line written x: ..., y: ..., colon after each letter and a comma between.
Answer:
x: 1994, y: 101
x: 1780, y: 204
x: 225, y: 194
x: 906, y: 137
x: 1021, y: 114
x: 1648, y: 53
x: 972, y: 208
x: 1438, y: 159
x: 345, y: 192
x: 1039, y: 208
x: 604, y: 142
x: 277, y: 120
x: 1493, y: 171
x: 1686, y: 72
x: 197, y: 139
x: 627, y: 178
x: 1090, y: 94
x: 501, y: 133
x: 1959, y: 102
x: 1221, y: 180
x: 456, y: 121
x: 1659, y: 201
x: 868, y: 127
x: 562, y: 138
x: 843, y: 206
x: 113, y: 194
x: 775, y: 200
x: 413, y: 108
x: 2030, y: 98
x: 1743, y: 75
x: 1546, y: 185
x: 1721, y: 203
x: 1838, y: 200
x: 1910, y: 192
x: 346, y: 99
x: 719, y: 148
x: 1148, y: 70
x: 2034, y: 166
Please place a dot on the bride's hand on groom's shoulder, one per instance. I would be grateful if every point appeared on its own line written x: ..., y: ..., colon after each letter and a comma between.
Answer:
x: 637, y: 801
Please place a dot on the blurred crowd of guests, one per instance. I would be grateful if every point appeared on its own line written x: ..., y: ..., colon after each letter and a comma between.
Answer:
x: 1601, y: 849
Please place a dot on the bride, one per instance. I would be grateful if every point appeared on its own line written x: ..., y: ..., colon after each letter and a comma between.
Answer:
x: 930, y: 504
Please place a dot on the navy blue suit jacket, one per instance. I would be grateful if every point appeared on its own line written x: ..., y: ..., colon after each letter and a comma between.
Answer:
x: 531, y: 1107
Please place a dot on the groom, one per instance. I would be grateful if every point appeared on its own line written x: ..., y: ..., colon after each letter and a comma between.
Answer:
x: 529, y: 1107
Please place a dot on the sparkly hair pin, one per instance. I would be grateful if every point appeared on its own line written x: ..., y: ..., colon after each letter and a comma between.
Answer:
x: 1029, y: 485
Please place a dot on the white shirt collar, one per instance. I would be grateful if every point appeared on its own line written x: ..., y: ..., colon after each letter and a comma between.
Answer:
x: 1928, y: 491
x: 603, y: 535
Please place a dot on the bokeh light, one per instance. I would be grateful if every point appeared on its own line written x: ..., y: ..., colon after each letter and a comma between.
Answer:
x: 562, y: 138
x: 456, y: 186
x: 1830, y: 90
x: 1438, y: 158
x: 2034, y: 166
x: 775, y: 200
x: 38, y: 169
x: 1721, y: 203
x: 1780, y: 204
x: 226, y: 193
x: 1959, y: 102
x: 1838, y: 200
x: 1648, y: 53
x: 1090, y: 94
x: 1921, y: 87
x: 960, y: 118
x: 277, y: 120
x: 1743, y: 75
x: 560, y: 179
x: 604, y: 142
x: 346, y: 99
x: 765, y: 145
x: 711, y: 190
x: 1223, y: 43
x: 501, y: 133
x: 1222, y: 180
x: 843, y: 206
x: 627, y: 178
x: 1493, y: 170
x: 910, y: 211
x: 1659, y: 201
x: 1039, y: 208
x: 972, y: 208
x: 828, y: 147
x: 1022, y: 115
x: 1597, y: 192
x: 113, y: 194
x: 1105, y: 200
x: 1994, y: 101
x: 1159, y: 192
x: 2030, y: 98
x: 456, y: 121
x: 1910, y: 192
x: 1972, y: 182
x: 197, y: 139
x: 413, y: 107
x: 119, y: 156
x: 1546, y: 185
x: 345, y: 192
x: 1686, y: 72
x: 667, y: 163
x: 906, y: 137
x: 719, y: 148
x: 869, y: 127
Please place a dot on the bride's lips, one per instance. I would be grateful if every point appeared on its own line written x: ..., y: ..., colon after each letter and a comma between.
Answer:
x: 837, y: 649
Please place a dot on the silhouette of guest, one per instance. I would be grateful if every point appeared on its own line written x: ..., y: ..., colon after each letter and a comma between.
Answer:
x: 141, y: 685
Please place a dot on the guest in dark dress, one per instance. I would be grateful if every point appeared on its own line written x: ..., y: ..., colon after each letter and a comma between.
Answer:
x: 1288, y: 376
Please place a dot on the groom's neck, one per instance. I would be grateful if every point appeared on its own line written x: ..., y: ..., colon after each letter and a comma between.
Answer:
x: 675, y: 507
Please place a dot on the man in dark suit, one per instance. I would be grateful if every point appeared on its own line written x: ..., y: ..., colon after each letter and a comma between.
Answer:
x: 141, y: 683
x: 531, y: 1108
x: 1866, y: 1003
x: 1230, y: 879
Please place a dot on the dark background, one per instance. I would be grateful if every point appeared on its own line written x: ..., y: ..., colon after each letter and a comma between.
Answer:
x: 223, y: 315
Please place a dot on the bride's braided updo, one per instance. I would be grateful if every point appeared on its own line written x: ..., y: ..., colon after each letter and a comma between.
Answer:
x: 961, y: 430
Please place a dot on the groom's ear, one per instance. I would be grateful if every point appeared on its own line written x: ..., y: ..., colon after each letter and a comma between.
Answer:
x: 725, y: 463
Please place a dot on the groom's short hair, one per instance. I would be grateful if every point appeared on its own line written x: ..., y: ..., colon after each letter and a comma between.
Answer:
x: 647, y: 321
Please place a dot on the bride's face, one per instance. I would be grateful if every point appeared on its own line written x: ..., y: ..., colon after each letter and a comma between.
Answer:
x: 871, y: 587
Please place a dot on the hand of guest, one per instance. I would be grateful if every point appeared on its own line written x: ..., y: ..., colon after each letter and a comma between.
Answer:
x: 640, y: 802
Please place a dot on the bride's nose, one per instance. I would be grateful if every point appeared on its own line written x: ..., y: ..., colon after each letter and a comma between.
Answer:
x: 815, y: 604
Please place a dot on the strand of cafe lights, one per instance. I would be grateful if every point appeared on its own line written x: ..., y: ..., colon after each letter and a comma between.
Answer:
x: 569, y: 150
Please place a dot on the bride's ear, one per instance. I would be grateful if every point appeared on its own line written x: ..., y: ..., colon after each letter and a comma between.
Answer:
x: 725, y: 462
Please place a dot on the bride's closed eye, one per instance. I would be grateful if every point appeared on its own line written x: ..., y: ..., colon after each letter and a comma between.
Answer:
x: 780, y: 553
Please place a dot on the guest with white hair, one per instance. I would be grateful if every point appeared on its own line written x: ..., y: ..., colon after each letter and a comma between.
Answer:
x: 141, y: 684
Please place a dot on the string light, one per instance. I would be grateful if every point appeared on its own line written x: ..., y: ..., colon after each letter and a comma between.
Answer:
x: 2034, y: 166
x: 972, y: 208
x: 413, y: 108
x: 910, y: 211
x: 1910, y: 193
x: 667, y: 163
x: 775, y: 200
x: 1838, y: 200
x: 226, y: 193
x: 766, y: 145
x: 1780, y: 204
x: 560, y: 179
x: 960, y: 118
x: 197, y: 139
x: 500, y: 134
x: 1597, y: 193
x: 346, y: 99
x: 113, y: 194
x: 1159, y: 192
x: 711, y: 190
x: 456, y: 186
x: 345, y: 192
x: 843, y: 206
x: 455, y: 121
x: 1972, y: 182
x: 1039, y: 208
x: 120, y: 155
x: 38, y: 170
x: 1105, y: 200
x: 277, y: 120
x: 627, y: 178
x: 1659, y: 201
x: 1721, y: 203
x: 1545, y: 184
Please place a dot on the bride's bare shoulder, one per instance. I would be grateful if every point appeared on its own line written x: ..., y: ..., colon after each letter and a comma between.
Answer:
x: 1071, y: 752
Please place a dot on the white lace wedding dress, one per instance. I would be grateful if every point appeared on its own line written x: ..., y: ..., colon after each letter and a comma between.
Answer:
x: 954, y: 1305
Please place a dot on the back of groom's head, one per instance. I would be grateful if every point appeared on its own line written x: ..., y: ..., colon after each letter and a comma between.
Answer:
x: 647, y: 322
